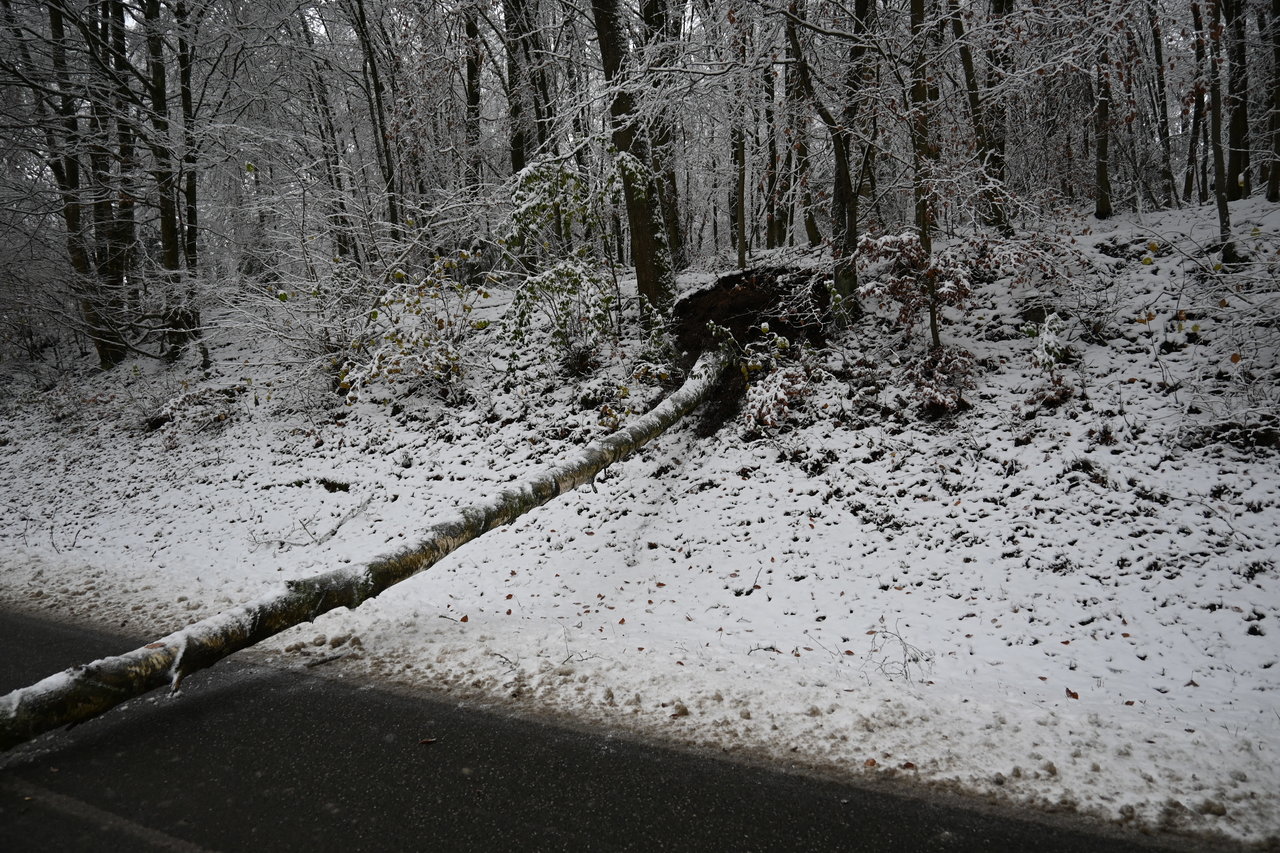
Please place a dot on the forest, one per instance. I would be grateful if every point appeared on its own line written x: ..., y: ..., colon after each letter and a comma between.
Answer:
x: 888, y: 388
x: 377, y: 167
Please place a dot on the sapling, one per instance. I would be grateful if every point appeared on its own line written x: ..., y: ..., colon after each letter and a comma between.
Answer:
x: 1050, y: 353
x: 901, y: 269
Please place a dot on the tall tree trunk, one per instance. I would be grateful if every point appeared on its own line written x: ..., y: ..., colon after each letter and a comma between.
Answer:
x: 1000, y: 62
x: 519, y: 138
x: 922, y: 158
x: 662, y: 32
x: 190, y: 156
x: 738, y: 209
x: 742, y: 118
x: 774, y: 217
x: 60, y: 125
x: 64, y: 135
x: 1273, y: 121
x: 1206, y: 160
x: 1220, y: 189
x: 529, y: 109
x: 347, y: 241
x: 1102, y: 132
x: 375, y: 95
x: 162, y: 144
x: 797, y: 125
x: 655, y: 276
x: 84, y: 692
x: 846, y: 186
x: 123, y: 232
x: 1197, y: 107
x: 181, y: 322
x: 1239, y: 179
x: 991, y: 204
x: 471, y: 116
x: 1161, y: 105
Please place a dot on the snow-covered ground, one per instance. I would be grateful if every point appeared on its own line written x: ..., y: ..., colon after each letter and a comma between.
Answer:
x: 1074, y: 605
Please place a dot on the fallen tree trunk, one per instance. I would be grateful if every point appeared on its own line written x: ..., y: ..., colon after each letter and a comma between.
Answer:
x: 80, y: 693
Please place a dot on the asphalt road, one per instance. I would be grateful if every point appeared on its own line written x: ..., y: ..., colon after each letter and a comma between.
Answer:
x: 254, y: 758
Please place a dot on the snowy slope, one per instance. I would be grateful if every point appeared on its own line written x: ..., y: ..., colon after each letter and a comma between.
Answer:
x: 1067, y: 598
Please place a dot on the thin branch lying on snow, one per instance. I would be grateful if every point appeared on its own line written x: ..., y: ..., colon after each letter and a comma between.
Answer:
x: 326, y: 659
x: 895, y: 658
x: 350, y: 515
x: 83, y: 692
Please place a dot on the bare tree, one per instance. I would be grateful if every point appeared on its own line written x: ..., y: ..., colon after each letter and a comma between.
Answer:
x: 650, y: 251
x: 1102, y: 135
x: 1239, y: 177
x: 1273, y: 120
x: 1220, y: 190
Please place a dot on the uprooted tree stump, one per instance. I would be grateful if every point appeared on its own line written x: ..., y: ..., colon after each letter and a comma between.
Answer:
x: 791, y: 302
x: 794, y: 302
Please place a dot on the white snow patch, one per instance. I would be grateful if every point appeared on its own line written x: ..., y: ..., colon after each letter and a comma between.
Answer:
x: 1065, y: 605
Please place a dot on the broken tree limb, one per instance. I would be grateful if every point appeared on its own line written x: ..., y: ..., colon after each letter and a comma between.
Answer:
x: 82, y: 692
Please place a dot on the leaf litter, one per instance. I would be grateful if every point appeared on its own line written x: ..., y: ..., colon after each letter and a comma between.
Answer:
x: 1057, y: 598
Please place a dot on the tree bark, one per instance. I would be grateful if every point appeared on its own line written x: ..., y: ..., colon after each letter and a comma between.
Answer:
x: 190, y: 158
x: 471, y: 121
x: 1220, y: 188
x: 1273, y: 123
x: 992, y: 206
x: 1102, y: 132
x: 662, y: 31
x: 1239, y: 179
x: 650, y: 252
x: 846, y: 186
x: 738, y: 210
x: 83, y: 692
x: 922, y: 157
x: 1162, y: 105
x: 1197, y: 108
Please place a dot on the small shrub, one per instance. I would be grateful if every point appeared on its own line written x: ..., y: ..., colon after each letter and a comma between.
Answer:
x: 1050, y: 353
x: 576, y: 303
x: 940, y: 378
x: 776, y: 397
x: 416, y: 329
x: 559, y: 226
x: 899, y: 268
